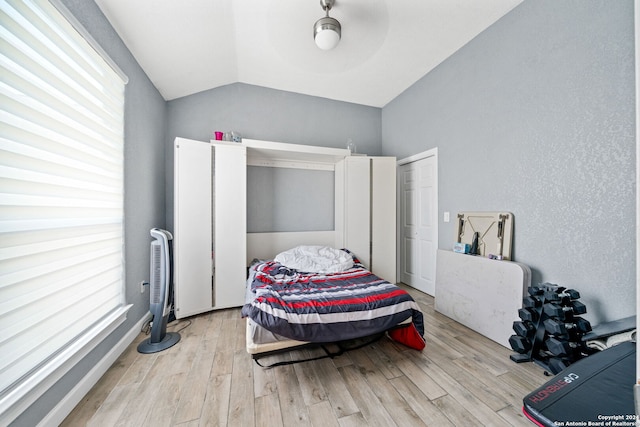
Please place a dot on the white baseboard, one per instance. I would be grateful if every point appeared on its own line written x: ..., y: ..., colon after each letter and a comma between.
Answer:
x: 69, y: 402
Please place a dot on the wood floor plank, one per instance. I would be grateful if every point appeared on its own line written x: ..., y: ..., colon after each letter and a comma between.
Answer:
x: 110, y: 411
x: 267, y: 411
x: 475, y: 378
x: 383, y: 362
x: 310, y: 385
x: 514, y: 416
x: 293, y: 409
x: 353, y: 420
x: 241, y: 398
x: 228, y: 335
x: 333, y: 384
x: 474, y: 404
x: 495, y: 357
x: 215, y: 411
x: 136, y: 410
x: 190, y: 404
x: 321, y: 415
x: 213, y: 325
x: 456, y: 413
x: 370, y: 406
x: 393, y: 403
x: 419, y: 403
x: 164, y: 406
x: 430, y: 387
x: 478, y: 380
x: 264, y: 381
x: 139, y: 369
x: 100, y: 393
x: 222, y: 363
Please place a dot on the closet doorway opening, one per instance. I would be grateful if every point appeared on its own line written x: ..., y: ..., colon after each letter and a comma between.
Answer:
x: 418, y: 220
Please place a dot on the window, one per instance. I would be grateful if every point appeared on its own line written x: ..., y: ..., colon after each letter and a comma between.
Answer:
x: 61, y: 199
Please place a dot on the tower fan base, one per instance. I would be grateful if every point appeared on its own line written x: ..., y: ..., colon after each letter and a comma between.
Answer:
x: 169, y: 339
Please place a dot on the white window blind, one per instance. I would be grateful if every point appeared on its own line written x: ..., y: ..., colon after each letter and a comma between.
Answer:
x: 61, y: 192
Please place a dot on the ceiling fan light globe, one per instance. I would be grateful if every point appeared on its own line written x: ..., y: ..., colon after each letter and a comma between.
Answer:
x: 326, y: 33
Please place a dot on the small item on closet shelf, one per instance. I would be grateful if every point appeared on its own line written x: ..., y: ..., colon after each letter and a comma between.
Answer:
x: 236, y: 137
x: 351, y: 146
x: 227, y: 136
x: 218, y: 135
x: 461, y: 248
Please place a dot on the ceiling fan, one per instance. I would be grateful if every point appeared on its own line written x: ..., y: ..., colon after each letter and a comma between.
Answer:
x: 327, y: 30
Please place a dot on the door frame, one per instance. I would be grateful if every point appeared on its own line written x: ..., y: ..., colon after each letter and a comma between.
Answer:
x: 433, y: 152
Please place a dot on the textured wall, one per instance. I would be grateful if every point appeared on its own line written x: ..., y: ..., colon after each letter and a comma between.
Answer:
x: 536, y: 116
x: 145, y: 114
x: 307, y: 204
x: 270, y: 115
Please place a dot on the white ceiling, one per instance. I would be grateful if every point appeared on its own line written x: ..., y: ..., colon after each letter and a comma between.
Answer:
x: 187, y: 46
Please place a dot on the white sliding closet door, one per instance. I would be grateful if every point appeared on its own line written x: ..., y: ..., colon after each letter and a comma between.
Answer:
x: 366, y: 207
x: 383, y: 217
x: 357, y: 214
x: 230, y: 224
x: 192, y: 227
x: 210, y: 226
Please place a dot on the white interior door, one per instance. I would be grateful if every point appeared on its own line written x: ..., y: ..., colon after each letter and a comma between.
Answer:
x: 419, y: 223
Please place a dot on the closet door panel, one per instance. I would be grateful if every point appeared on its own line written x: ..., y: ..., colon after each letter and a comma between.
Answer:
x: 192, y: 227
x: 383, y: 217
x: 357, y: 215
x: 230, y: 229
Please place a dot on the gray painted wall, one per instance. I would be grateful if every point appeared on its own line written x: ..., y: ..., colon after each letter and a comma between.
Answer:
x: 536, y: 116
x: 145, y: 115
x: 270, y: 115
x: 308, y: 204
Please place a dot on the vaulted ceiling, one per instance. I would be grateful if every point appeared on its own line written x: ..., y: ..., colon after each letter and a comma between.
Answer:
x: 188, y: 46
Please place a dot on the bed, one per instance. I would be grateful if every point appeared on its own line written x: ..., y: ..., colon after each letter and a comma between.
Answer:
x: 314, y: 295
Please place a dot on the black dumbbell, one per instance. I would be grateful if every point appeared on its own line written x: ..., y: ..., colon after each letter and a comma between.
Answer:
x: 532, y: 301
x: 561, y: 347
x: 535, y: 290
x: 528, y: 313
x: 524, y: 329
x: 519, y: 344
x: 557, y: 364
x: 562, y: 294
x: 556, y: 327
x: 565, y: 312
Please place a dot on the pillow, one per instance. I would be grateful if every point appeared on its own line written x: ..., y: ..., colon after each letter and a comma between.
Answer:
x: 315, y: 259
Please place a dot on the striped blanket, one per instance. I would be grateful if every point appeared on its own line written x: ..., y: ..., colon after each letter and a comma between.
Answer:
x: 323, y: 308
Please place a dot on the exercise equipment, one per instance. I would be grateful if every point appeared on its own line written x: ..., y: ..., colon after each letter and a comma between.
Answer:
x: 559, y: 347
x: 567, y: 312
x: 519, y: 344
x: 550, y: 332
x: 528, y: 314
x: 558, y: 327
x: 595, y: 390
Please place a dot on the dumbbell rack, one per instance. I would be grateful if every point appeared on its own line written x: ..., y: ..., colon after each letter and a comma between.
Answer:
x: 549, y: 332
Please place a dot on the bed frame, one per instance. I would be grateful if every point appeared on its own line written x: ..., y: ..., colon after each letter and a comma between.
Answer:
x: 331, y: 350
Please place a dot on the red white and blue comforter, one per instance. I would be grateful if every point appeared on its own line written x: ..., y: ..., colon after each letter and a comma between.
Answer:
x: 321, y: 308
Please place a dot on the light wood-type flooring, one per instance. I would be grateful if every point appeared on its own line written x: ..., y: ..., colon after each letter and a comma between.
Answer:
x: 460, y: 379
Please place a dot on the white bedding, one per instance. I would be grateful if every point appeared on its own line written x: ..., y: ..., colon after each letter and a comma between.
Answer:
x: 316, y: 259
